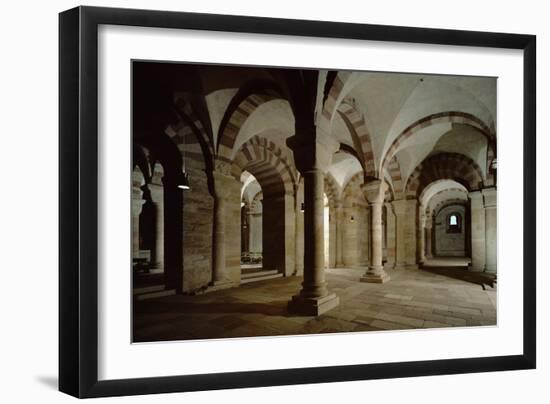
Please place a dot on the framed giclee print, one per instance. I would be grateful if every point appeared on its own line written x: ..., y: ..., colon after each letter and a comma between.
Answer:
x: 252, y: 202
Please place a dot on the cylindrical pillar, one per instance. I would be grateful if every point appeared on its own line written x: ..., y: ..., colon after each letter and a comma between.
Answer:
x: 375, y: 261
x: 339, y: 235
x: 314, y: 298
x: 299, y: 232
x: 374, y: 193
x: 490, y: 204
x: 314, y: 284
x: 428, y: 237
x: 477, y: 231
x: 137, y: 206
x: 390, y: 235
x: 421, y: 237
x: 157, y: 254
x: 312, y: 158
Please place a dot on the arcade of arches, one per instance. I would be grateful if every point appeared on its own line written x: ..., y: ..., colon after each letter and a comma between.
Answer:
x: 313, y: 191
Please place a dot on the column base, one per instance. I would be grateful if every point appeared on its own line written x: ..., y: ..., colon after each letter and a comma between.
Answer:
x: 475, y: 269
x: 375, y: 276
x: 313, y: 306
x: 492, y: 269
x: 220, y: 285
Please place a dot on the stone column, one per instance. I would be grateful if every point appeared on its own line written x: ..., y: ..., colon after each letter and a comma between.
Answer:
x: 374, y: 193
x: 299, y: 239
x: 137, y: 206
x: 477, y: 231
x: 157, y: 255
x: 421, y: 236
x: 255, y: 224
x: 490, y: 204
x: 390, y: 236
x: 428, y: 237
x: 339, y: 235
x: 312, y: 159
x: 221, y: 191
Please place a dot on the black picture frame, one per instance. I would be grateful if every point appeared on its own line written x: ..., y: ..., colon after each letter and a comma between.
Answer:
x: 78, y: 201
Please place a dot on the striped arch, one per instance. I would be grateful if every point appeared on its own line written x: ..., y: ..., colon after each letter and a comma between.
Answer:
x: 452, y: 166
x: 189, y: 146
x: 361, y: 136
x: 421, y: 196
x: 331, y: 101
x: 394, y: 171
x: 190, y: 118
x: 236, y: 115
x: 332, y: 190
x: 444, y: 191
x: 442, y: 117
x: 265, y: 160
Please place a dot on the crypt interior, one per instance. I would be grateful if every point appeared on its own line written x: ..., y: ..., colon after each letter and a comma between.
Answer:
x: 273, y: 201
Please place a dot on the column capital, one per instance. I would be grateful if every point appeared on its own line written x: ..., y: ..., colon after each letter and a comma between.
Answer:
x: 153, y: 186
x: 489, y: 197
x: 222, y: 184
x: 223, y: 166
x: 475, y: 195
x: 374, y: 191
x: 400, y: 206
x: 312, y: 151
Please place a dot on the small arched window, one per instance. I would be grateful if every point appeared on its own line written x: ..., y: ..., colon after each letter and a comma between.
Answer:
x: 454, y: 223
x: 453, y: 220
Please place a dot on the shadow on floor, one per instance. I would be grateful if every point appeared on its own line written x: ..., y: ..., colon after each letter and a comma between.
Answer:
x: 274, y: 308
x: 478, y: 278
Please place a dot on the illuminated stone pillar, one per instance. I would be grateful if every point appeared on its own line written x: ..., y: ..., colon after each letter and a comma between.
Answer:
x: 312, y: 159
x: 339, y: 235
x: 477, y: 231
x: 428, y: 237
x: 390, y: 236
x: 374, y: 193
x: 137, y: 206
x: 421, y: 236
x: 157, y: 254
x: 490, y: 205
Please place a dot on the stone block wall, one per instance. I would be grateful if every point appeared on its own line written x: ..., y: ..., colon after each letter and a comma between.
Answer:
x: 198, y: 211
x: 450, y: 244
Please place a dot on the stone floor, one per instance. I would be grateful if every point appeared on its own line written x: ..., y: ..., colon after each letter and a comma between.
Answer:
x: 437, y: 296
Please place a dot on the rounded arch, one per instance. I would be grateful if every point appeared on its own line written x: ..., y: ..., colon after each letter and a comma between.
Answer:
x: 249, y: 97
x: 437, y: 187
x: 265, y: 160
x: 360, y: 135
x: 440, y: 166
x: 394, y: 172
x: 333, y: 91
x: 453, y: 117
